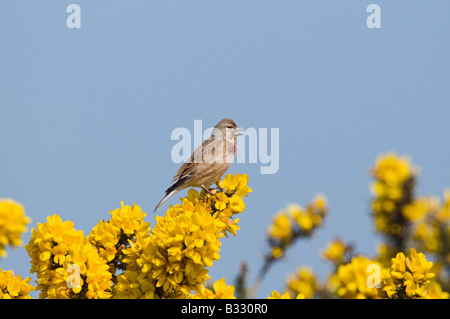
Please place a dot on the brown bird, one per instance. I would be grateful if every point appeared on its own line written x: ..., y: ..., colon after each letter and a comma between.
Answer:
x: 208, y: 162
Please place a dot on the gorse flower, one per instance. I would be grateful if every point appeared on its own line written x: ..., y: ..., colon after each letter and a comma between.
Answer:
x: 443, y: 214
x: 122, y: 257
x: 59, y: 255
x: 407, y: 278
x: 303, y: 282
x: 13, y: 223
x: 172, y: 261
x: 276, y: 295
x: 287, y: 226
x: 281, y: 228
x: 295, y: 222
x: 435, y: 292
x: 235, y: 185
x: 48, y: 247
x: 407, y: 220
x: 92, y: 273
x: 431, y: 229
x: 221, y: 291
x: 350, y: 280
x: 393, y: 205
x: 13, y: 287
x: 391, y: 171
x: 336, y: 252
x: 113, y: 236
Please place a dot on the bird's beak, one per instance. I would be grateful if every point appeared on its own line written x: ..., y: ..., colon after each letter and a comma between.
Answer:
x: 238, y: 131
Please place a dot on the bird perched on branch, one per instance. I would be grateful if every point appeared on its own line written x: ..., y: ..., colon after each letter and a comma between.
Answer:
x: 208, y: 162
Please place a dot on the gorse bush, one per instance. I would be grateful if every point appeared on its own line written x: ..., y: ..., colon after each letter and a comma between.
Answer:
x: 123, y: 257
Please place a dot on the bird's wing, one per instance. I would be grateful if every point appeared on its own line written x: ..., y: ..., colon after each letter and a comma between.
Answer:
x: 186, y: 170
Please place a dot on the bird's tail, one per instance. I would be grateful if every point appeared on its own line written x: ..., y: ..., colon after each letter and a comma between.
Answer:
x: 173, y: 189
x: 165, y: 199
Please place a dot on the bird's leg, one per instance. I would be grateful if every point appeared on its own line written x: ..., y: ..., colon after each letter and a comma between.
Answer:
x: 207, y: 190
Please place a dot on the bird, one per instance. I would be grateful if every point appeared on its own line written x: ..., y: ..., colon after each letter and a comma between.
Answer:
x: 208, y: 162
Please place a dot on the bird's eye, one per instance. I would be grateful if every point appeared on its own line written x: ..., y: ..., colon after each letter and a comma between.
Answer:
x: 229, y: 126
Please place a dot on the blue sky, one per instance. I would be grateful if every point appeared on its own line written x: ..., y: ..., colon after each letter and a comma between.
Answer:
x: 86, y: 114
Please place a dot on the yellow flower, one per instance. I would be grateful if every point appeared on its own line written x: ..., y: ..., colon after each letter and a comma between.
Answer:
x: 221, y: 202
x: 416, y: 209
x: 236, y: 204
x: 229, y: 183
x: 95, y: 278
x: 432, y: 227
x: 429, y: 236
x: 276, y: 295
x: 303, y: 282
x: 235, y: 184
x: 56, y: 250
x: 170, y: 261
x: 13, y: 223
x: 302, y: 218
x: 407, y: 278
x: 443, y: 215
x: 183, y: 243
x: 393, y: 206
x: 295, y: 222
x: 281, y: 227
x: 49, y: 244
x: 221, y: 291
x: 435, y: 292
x: 419, y: 266
x: 350, y: 280
x: 13, y: 287
x: 277, y: 252
x: 335, y: 251
x: 313, y: 217
x: 393, y: 170
x: 173, y: 260
x: 111, y: 237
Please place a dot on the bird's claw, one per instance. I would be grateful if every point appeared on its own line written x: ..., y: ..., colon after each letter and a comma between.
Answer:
x: 207, y: 190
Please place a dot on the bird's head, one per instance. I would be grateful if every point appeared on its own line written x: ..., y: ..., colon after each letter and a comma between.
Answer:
x: 228, y: 129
